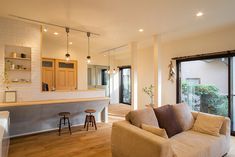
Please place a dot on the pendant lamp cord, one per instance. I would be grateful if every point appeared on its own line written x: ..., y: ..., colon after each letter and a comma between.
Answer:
x: 67, y: 31
x: 88, y: 36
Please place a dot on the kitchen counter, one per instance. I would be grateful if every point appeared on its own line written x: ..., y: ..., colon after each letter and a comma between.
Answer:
x: 46, y: 102
x: 39, y: 116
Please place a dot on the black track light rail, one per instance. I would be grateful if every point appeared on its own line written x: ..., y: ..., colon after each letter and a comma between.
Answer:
x: 51, y: 24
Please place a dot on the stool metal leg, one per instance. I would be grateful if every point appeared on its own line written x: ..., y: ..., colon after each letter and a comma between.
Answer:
x: 85, y: 122
x: 94, y: 122
x: 60, y: 127
x: 69, y: 126
x: 88, y: 123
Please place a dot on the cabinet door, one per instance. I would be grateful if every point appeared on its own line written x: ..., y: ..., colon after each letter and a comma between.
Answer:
x: 66, y: 75
x: 48, y: 73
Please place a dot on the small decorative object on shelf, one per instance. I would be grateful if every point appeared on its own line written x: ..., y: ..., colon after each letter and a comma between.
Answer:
x: 23, y: 55
x: 149, y: 92
x: 14, y: 55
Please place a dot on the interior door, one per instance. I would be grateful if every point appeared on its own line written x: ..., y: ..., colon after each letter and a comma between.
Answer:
x: 66, y: 75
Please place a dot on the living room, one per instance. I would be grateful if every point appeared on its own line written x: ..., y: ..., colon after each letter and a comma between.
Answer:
x: 91, y: 62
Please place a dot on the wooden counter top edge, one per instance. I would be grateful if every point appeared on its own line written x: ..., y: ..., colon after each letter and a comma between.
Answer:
x: 45, y: 102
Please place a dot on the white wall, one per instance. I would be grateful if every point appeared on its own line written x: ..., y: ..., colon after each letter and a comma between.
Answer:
x: 19, y: 33
x: 145, y: 74
x: 219, y: 40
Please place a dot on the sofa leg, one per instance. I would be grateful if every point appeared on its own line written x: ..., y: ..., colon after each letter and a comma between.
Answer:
x: 225, y: 155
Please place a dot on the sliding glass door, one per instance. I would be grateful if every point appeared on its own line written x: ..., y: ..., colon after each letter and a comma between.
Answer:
x: 206, y: 85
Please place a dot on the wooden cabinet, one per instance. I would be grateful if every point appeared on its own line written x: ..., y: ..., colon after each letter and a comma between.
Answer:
x: 48, y: 73
x: 59, y: 74
x: 66, y: 75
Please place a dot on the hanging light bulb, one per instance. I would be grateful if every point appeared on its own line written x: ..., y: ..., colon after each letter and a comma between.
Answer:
x: 88, y: 59
x: 88, y: 48
x: 67, y: 55
x: 108, y: 71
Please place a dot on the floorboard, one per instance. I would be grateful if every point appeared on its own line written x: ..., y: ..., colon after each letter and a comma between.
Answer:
x: 81, y: 143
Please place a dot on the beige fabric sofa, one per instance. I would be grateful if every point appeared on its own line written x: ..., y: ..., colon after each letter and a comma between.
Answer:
x: 131, y: 141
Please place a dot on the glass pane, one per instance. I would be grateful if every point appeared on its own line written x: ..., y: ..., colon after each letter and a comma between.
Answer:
x: 66, y: 65
x: 233, y: 94
x: 126, y: 84
x: 47, y: 63
x: 204, y: 85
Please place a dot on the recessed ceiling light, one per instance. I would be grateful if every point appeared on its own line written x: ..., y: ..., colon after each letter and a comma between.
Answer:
x: 56, y: 33
x: 199, y: 14
x: 45, y: 30
x: 141, y: 30
x: 70, y: 43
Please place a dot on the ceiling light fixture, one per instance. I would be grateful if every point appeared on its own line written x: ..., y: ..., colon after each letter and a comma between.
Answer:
x: 141, y: 30
x: 45, y: 30
x: 56, y: 33
x: 67, y: 55
x: 88, y: 48
x: 199, y: 14
x: 70, y: 43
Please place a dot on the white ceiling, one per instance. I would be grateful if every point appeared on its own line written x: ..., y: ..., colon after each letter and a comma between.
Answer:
x: 118, y: 21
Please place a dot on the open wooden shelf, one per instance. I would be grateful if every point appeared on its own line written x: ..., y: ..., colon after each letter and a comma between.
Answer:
x: 18, y: 58
x: 18, y: 70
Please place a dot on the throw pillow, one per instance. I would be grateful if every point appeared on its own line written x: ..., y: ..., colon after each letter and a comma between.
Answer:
x: 146, y: 116
x: 155, y: 130
x: 167, y: 120
x: 184, y: 116
x: 208, y: 124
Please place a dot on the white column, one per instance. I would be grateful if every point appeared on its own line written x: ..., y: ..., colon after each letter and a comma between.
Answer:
x: 134, y: 76
x: 157, y: 70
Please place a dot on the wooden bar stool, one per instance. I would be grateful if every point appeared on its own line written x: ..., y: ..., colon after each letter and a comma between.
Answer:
x: 90, y: 119
x: 63, y: 117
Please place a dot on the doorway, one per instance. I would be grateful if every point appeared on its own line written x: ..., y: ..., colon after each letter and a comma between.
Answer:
x: 206, y: 85
x: 125, y: 85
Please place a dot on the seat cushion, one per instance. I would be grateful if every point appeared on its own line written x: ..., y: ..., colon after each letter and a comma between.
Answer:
x: 195, y: 144
x: 167, y: 120
x: 184, y: 116
x: 144, y: 116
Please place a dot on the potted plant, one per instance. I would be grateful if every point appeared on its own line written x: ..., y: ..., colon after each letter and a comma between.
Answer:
x: 5, y: 80
x: 149, y: 91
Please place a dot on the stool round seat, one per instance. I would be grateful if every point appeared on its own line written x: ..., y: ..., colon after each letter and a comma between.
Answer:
x: 66, y: 114
x: 90, y: 111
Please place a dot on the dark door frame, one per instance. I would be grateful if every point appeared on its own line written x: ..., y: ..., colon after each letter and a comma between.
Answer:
x: 230, y: 82
x: 121, y: 84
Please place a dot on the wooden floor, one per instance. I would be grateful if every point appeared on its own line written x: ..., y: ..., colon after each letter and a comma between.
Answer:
x: 80, y: 144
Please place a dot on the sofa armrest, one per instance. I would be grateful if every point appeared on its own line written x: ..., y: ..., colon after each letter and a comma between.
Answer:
x: 130, y: 141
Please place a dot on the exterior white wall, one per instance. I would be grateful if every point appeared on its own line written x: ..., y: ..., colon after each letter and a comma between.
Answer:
x: 212, y: 73
x: 19, y: 33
